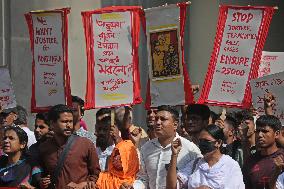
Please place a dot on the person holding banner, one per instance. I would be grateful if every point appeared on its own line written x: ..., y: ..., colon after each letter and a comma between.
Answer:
x: 156, y: 153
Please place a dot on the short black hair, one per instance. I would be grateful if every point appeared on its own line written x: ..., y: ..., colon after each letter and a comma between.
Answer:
x: 103, y: 111
x: 22, y: 116
x: 105, y: 121
x: 43, y: 116
x: 213, y: 116
x: 231, y: 121
x: 244, y: 115
x: 55, y: 111
x: 170, y: 109
x: 80, y: 101
x: 201, y: 110
x: 215, y: 131
x: 269, y: 120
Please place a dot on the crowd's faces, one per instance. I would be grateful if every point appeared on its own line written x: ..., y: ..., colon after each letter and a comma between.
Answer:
x: 194, y: 123
x: 76, y: 112
x: 208, y: 144
x: 151, y: 117
x: 165, y: 125
x: 251, y: 127
x: 63, y: 125
x: 266, y: 137
x: 9, y: 119
x: 11, y: 143
x: 116, y: 161
x: 228, y: 130
x: 41, y: 129
x: 103, y: 134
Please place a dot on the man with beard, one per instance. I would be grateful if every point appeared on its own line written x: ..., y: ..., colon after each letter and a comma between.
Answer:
x: 41, y: 131
x: 107, y: 137
x: 78, y: 112
x: 80, y: 167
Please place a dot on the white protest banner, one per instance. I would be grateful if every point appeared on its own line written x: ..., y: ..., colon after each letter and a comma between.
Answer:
x: 271, y: 63
x: 241, y: 33
x: 169, y: 82
x: 272, y: 83
x: 7, y: 95
x: 112, y: 38
x: 49, y: 45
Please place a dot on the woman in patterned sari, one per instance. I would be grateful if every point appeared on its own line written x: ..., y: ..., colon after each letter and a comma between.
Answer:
x: 15, y: 169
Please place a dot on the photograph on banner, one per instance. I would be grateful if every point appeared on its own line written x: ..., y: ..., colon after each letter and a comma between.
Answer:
x: 7, y: 95
x: 271, y: 63
x: 165, y: 54
x: 49, y: 48
x: 236, y: 56
x: 269, y: 84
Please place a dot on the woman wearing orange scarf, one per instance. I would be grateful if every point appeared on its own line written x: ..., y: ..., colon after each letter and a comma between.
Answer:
x: 123, y: 166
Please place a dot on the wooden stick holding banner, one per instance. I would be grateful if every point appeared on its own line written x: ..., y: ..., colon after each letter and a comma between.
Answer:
x: 240, y: 37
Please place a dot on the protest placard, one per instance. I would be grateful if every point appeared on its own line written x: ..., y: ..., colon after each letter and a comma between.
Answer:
x: 241, y: 33
x: 269, y: 84
x: 169, y: 82
x: 271, y: 63
x: 112, y: 38
x: 7, y: 95
x: 49, y: 46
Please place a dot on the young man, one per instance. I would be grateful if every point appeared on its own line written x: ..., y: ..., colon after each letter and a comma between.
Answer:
x: 259, y: 168
x: 156, y: 153
x: 107, y: 137
x: 78, y: 112
x: 41, y: 131
x: 80, y: 166
x: 196, y: 118
x: 151, y: 116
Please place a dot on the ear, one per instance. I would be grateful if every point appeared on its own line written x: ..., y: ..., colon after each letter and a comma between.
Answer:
x: 22, y: 146
x: 277, y: 134
x: 219, y: 143
x: 51, y: 127
x: 175, y: 125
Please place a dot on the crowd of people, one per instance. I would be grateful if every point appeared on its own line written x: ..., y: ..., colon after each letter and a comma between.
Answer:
x: 181, y: 147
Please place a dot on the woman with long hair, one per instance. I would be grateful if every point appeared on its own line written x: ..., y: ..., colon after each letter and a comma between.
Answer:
x: 214, y: 171
x: 15, y: 168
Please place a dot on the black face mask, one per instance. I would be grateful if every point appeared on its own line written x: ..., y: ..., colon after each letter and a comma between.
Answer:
x: 206, y: 146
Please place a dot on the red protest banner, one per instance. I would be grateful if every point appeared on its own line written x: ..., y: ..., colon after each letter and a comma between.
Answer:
x: 112, y: 40
x: 48, y: 31
x: 240, y: 37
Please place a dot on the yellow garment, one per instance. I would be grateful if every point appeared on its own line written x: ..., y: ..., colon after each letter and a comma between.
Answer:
x: 130, y: 163
x: 158, y: 59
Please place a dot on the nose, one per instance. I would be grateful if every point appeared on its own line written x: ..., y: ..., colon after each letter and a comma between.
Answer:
x: 158, y: 121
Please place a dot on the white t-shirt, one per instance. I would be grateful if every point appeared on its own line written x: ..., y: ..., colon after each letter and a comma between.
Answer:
x: 280, y: 182
x: 155, y: 160
x: 225, y: 174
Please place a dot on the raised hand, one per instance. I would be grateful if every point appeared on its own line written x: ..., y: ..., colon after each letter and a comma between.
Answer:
x: 135, y: 136
x: 176, y: 146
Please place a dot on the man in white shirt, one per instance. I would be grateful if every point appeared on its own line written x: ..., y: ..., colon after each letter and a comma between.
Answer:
x: 156, y: 153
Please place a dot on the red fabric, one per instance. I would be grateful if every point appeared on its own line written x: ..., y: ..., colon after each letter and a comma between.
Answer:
x: 67, y: 90
x: 189, y: 98
x: 136, y: 12
x: 262, y: 33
